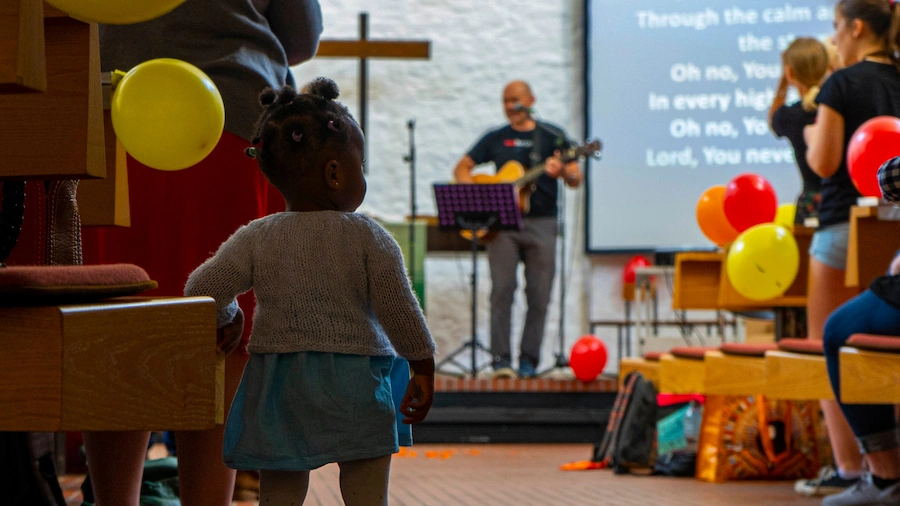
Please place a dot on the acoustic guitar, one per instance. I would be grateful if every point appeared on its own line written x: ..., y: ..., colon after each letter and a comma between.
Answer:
x: 525, y: 180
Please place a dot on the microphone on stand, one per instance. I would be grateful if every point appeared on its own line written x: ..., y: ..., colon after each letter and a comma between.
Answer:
x: 522, y: 108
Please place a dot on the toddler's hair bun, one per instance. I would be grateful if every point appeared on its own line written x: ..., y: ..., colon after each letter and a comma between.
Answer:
x: 281, y: 96
x: 322, y: 87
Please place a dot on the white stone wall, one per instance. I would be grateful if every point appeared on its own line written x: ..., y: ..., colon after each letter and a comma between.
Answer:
x: 477, y: 46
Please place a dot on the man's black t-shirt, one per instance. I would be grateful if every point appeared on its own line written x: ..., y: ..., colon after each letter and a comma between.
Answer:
x: 505, y: 144
x: 858, y: 93
x: 789, y: 121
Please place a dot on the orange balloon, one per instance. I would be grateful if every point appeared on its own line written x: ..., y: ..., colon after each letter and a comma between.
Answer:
x: 711, y: 216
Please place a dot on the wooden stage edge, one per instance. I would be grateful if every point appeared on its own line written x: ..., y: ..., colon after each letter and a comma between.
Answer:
x: 603, y: 384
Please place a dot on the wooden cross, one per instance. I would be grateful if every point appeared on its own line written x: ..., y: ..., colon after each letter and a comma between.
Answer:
x: 365, y: 48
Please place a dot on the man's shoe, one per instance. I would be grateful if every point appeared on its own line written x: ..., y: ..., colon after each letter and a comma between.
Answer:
x: 503, y: 369
x: 526, y: 369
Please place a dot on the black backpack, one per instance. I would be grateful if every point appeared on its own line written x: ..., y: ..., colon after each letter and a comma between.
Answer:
x: 630, y: 440
x: 27, y: 472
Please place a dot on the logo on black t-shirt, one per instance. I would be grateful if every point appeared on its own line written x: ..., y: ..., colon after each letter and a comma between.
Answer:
x: 518, y: 143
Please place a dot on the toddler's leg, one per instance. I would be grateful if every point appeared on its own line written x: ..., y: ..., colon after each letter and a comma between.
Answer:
x: 282, y: 488
x: 365, y: 482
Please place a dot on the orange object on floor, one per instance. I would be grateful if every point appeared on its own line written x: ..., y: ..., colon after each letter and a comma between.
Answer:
x: 581, y: 465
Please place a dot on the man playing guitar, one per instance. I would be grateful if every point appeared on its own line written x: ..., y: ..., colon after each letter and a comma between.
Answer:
x: 529, y: 143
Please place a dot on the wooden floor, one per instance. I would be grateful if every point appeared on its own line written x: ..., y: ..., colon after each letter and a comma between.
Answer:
x: 507, y: 475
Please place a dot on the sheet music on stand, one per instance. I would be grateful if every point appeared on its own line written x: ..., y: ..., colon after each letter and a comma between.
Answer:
x: 478, y: 208
x: 474, y: 204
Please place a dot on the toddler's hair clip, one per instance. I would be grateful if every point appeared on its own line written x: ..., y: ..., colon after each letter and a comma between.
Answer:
x: 331, y: 126
x: 251, y: 152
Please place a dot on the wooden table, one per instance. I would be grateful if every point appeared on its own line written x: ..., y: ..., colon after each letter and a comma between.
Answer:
x: 874, y: 239
x: 701, y: 281
x: 134, y: 363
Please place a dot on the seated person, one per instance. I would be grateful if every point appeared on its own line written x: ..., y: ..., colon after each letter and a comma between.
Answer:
x: 875, y: 311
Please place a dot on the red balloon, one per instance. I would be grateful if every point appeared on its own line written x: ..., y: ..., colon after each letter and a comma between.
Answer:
x: 750, y: 200
x: 635, y: 262
x: 875, y: 142
x: 588, y: 358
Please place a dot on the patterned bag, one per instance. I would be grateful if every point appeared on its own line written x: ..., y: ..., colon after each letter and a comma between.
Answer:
x: 733, y: 446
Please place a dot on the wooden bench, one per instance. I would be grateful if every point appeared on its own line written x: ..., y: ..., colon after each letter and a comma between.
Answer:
x: 124, y: 364
x: 870, y: 370
x: 797, y: 371
x: 736, y: 369
x: 683, y: 371
x: 648, y: 366
x: 623, y: 329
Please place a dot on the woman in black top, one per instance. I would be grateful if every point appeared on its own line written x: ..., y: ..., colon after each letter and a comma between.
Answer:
x: 805, y: 63
x: 866, y: 40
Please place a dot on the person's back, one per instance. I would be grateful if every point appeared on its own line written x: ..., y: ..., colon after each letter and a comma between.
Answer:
x: 805, y: 65
x: 243, y: 45
x: 859, y: 93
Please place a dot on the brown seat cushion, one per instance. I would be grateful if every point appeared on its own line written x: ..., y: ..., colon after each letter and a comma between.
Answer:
x: 806, y: 346
x: 56, y: 284
x: 748, y: 349
x: 695, y: 353
x: 653, y: 356
x: 889, y: 344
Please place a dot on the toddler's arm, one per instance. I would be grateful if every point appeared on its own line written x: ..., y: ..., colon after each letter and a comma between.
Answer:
x: 419, y: 392
x: 393, y: 300
x: 225, y: 275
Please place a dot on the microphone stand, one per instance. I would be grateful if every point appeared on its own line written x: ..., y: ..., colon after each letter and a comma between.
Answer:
x: 411, y: 160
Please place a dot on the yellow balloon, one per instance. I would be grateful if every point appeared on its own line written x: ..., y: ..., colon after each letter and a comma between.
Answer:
x: 115, y: 12
x: 785, y: 215
x: 168, y: 114
x: 763, y: 262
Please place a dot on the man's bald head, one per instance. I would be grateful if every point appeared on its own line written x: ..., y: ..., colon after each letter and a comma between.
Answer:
x: 518, y: 87
x: 517, y: 93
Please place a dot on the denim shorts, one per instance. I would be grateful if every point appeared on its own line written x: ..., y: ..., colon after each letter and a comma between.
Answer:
x: 829, y: 245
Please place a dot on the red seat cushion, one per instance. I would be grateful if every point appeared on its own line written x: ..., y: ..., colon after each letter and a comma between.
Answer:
x: 748, y: 349
x: 653, y: 356
x: 52, y: 284
x: 805, y: 346
x: 695, y: 353
x: 889, y: 344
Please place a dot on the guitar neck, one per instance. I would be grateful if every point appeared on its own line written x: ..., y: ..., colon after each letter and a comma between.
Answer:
x: 567, y: 156
x: 531, y: 174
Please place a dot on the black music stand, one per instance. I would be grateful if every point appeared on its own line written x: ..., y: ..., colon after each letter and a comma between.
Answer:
x: 477, y: 208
